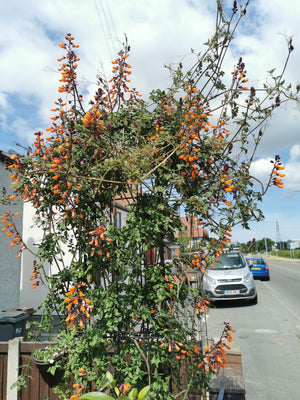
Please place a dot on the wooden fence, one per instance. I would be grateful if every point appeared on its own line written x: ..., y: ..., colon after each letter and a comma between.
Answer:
x: 3, y: 369
x: 40, y: 387
x: 16, y: 353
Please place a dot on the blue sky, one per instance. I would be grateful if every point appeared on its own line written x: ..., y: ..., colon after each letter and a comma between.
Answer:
x: 159, y: 32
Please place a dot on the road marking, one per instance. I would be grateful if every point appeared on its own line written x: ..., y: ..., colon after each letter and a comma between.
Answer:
x: 281, y: 302
x: 267, y: 331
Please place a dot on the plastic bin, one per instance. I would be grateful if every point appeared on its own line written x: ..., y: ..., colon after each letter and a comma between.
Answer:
x: 29, y: 311
x: 12, y: 324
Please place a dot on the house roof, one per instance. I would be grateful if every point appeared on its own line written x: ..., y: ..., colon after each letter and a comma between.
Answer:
x: 193, y: 229
x: 5, y: 158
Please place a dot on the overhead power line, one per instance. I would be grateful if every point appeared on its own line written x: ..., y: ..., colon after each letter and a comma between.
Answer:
x: 107, y: 25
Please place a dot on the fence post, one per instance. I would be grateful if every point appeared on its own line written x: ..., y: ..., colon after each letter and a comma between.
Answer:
x: 12, y: 368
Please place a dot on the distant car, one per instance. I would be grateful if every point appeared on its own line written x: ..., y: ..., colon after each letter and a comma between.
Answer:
x: 230, y: 279
x: 259, y: 268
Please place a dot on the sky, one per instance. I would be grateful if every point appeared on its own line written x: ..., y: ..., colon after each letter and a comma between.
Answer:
x: 160, y: 32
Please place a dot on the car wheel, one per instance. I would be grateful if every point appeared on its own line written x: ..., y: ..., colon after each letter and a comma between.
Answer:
x: 253, y: 301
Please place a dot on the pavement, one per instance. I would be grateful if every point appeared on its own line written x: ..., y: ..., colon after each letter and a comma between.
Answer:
x: 230, y: 377
x: 295, y: 260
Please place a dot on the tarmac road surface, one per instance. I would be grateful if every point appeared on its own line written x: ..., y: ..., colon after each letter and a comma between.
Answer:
x: 268, y: 333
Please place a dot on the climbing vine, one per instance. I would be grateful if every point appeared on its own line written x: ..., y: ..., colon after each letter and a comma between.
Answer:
x: 185, y: 150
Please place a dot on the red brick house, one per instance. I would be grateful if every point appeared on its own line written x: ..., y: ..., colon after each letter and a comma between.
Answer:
x: 195, y: 232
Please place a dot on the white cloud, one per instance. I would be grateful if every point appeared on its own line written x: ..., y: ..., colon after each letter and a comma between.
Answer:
x: 159, y: 32
x: 262, y: 167
x: 261, y: 170
x: 295, y: 153
x: 292, y: 171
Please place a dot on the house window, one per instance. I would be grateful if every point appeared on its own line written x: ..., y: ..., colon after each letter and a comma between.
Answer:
x: 118, y: 220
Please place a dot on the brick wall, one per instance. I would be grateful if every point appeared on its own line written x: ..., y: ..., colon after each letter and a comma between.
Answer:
x: 230, y: 377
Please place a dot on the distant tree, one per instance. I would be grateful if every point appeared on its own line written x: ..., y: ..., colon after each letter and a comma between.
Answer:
x: 264, y: 244
x: 282, y: 245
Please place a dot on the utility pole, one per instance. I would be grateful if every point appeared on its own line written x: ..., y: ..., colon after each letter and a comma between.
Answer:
x: 278, y: 238
x: 266, y: 245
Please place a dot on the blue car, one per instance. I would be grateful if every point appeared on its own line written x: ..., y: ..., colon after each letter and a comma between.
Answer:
x: 259, y: 268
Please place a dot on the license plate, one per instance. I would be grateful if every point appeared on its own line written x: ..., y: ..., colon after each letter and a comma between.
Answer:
x: 255, y: 268
x: 231, y: 292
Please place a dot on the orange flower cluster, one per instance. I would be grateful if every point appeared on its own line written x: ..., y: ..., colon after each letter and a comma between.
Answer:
x: 10, y: 229
x: 79, y: 307
x: 35, y: 275
x: 201, y: 306
x: 92, y: 118
x: 227, y: 236
x: 98, y: 236
x: 119, y: 88
x: 199, y: 261
x: 195, y: 125
x: 16, y: 164
x: 239, y: 75
x: 58, y: 128
x: 115, y: 95
x: 277, y: 176
x: 214, y: 357
x: 55, y: 157
x: 29, y: 193
x: 68, y: 69
x: 222, y: 132
x: 178, y: 348
x: 124, y: 388
x: 158, y: 128
x: 226, y: 183
x: 79, y: 389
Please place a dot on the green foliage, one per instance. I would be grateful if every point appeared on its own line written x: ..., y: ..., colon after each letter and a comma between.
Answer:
x: 131, y: 394
x: 22, y: 381
x: 286, y: 253
x: 121, y: 307
x: 265, y: 244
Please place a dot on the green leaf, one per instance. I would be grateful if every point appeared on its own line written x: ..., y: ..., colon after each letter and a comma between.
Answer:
x: 133, y: 394
x: 143, y: 393
x: 96, y: 395
x: 112, y: 382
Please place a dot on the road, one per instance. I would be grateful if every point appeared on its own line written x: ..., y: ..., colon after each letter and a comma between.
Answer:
x: 268, y: 333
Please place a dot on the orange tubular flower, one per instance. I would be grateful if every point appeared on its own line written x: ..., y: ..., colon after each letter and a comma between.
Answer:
x: 277, y: 181
x: 77, y: 306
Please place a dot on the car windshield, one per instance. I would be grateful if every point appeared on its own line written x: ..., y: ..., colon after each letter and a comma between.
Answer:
x: 228, y: 261
x: 257, y: 261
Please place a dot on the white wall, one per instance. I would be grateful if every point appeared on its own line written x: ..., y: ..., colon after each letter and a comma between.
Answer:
x: 32, y: 234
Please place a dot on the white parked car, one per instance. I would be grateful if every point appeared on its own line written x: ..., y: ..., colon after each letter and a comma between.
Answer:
x: 230, y: 279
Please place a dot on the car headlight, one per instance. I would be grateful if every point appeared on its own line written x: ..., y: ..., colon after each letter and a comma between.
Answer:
x: 209, y: 279
x: 248, y: 277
